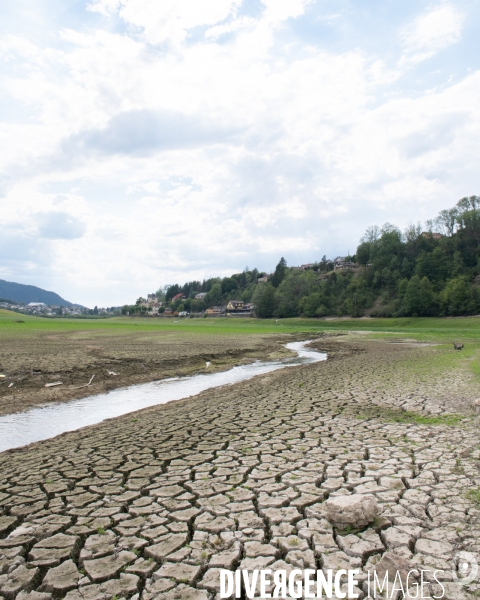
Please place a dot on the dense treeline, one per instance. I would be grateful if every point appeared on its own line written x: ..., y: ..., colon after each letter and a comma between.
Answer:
x: 423, y: 271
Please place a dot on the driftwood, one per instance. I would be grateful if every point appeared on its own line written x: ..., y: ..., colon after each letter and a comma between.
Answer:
x: 457, y: 346
x: 52, y: 384
x: 78, y: 387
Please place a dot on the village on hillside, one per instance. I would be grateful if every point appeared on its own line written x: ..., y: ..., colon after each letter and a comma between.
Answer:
x: 193, y: 303
x: 40, y: 309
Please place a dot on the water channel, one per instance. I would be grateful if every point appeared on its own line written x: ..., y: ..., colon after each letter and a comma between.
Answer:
x: 43, y: 422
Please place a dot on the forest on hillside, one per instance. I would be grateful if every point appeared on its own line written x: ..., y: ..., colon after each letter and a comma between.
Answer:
x: 422, y: 271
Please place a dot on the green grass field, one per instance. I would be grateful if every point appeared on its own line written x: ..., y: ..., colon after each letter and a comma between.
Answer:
x: 440, y: 330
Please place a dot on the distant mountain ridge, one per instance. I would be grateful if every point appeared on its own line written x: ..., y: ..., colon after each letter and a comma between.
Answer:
x: 18, y: 292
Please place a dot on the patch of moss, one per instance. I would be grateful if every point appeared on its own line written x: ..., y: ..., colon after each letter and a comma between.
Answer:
x: 474, y: 496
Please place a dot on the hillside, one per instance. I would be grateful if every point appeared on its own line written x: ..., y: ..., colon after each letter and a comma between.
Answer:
x: 18, y: 292
x: 432, y: 270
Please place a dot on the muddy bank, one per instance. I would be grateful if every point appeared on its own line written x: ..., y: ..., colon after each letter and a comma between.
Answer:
x: 117, y: 361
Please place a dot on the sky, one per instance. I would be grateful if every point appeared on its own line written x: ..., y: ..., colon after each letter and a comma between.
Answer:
x: 151, y: 142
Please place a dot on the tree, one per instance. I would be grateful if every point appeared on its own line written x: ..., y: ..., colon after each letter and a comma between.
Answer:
x: 458, y: 297
x: 266, y: 304
x: 371, y: 235
x: 229, y: 285
x: 214, y: 296
x: 161, y: 293
x: 311, y: 303
x: 363, y: 253
x: 293, y: 288
x: 447, y: 220
x: 419, y: 297
x: 431, y: 265
x: 197, y: 306
x: 257, y: 293
x: 172, y: 291
x: 468, y: 204
x: 279, y: 274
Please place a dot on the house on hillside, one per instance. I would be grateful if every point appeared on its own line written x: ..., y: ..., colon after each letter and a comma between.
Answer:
x: 262, y: 279
x: 178, y: 297
x: 432, y: 234
x: 342, y: 263
x: 303, y: 267
x: 200, y: 296
x: 152, y: 304
x: 235, y: 304
x: 168, y: 312
x: 238, y: 308
x: 215, y: 311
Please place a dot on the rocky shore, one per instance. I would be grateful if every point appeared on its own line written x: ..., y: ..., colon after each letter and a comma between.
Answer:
x: 153, y: 504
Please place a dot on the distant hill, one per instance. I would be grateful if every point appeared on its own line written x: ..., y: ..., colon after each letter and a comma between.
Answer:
x: 18, y: 292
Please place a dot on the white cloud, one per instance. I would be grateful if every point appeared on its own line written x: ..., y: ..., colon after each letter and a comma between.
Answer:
x: 176, y: 162
x: 280, y: 10
x: 168, y: 20
x: 439, y: 28
x: 105, y: 7
x: 238, y: 24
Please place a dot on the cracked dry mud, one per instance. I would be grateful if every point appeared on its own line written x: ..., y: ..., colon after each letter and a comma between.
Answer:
x: 153, y: 504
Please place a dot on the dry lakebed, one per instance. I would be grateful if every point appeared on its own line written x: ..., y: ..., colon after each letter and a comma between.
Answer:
x: 153, y: 503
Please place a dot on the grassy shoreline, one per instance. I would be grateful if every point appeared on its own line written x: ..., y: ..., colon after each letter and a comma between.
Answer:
x: 35, y: 351
x: 427, y: 328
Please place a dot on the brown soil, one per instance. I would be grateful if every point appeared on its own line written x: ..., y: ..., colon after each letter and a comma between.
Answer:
x: 73, y: 357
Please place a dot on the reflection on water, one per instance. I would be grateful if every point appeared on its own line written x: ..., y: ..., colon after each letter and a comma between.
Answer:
x: 48, y: 421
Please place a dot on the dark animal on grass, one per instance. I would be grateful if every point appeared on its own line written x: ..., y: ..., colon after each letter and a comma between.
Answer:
x: 457, y: 346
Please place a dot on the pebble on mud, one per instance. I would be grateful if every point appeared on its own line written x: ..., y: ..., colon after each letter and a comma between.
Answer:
x: 356, y: 511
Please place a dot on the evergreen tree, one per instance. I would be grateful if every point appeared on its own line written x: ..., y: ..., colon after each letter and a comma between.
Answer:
x: 266, y: 305
x: 279, y: 274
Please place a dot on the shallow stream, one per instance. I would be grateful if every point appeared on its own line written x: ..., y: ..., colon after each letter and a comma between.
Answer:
x: 47, y: 421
